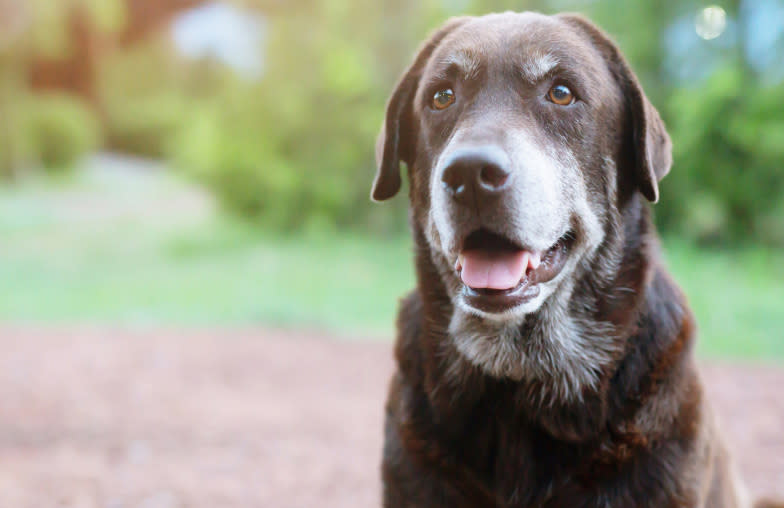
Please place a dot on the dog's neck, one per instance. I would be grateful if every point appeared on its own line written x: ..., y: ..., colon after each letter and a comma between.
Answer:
x: 563, y: 361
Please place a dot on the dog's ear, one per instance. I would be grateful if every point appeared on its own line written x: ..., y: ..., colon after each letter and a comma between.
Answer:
x: 648, y: 137
x: 397, y: 139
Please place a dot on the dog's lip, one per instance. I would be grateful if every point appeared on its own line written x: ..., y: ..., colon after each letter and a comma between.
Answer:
x: 549, y: 265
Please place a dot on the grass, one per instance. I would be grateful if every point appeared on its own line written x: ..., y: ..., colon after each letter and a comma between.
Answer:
x: 737, y: 296
x: 112, y: 249
x: 116, y: 247
x: 191, y: 277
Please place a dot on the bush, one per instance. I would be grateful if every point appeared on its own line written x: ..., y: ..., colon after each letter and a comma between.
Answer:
x: 295, y: 150
x: 239, y: 165
x: 61, y: 129
x: 142, y: 98
x: 144, y: 126
x: 726, y: 184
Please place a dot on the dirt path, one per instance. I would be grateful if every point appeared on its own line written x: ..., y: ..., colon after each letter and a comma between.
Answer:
x: 155, y: 419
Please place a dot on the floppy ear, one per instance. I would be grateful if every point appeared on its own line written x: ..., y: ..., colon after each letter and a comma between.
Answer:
x: 649, y: 139
x: 397, y: 139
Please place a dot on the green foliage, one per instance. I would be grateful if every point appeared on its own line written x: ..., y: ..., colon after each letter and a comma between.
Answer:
x: 239, y: 164
x: 727, y: 182
x: 145, y: 126
x: 296, y: 149
x: 50, y: 29
x: 143, y: 99
x: 60, y: 130
x: 14, y: 142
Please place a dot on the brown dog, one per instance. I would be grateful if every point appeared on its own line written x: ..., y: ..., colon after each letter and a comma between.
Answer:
x: 545, y: 357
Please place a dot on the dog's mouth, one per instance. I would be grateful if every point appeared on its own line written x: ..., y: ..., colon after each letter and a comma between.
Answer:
x: 498, y: 274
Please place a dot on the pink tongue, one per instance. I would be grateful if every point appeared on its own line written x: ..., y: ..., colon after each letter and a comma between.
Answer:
x: 493, y: 269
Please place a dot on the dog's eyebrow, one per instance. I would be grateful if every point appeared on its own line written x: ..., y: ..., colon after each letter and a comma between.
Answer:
x: 538, y: 66
x: 465, y: 61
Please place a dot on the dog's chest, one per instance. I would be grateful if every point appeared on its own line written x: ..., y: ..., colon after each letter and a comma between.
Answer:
x: 524, y: 467
x: 507, y: 455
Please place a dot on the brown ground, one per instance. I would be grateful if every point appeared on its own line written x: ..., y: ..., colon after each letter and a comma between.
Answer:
x: 152, y: 419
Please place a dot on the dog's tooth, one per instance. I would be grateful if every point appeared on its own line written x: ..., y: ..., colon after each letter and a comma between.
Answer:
x: 526, y: 261
x: 459, y: 262
x: 535, y: 260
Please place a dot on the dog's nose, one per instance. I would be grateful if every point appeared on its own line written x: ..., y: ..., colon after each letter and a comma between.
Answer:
x: 473, y: 174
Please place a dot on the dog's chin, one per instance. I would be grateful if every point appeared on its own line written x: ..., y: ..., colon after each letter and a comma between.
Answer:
x: 507, y: 307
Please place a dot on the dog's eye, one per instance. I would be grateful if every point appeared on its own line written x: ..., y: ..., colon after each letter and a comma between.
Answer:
x: 443, y: 98
x: 561, y: 95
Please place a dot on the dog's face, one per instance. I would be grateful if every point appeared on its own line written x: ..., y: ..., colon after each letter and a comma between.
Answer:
x: 518, y: 130
x: 509, y: 116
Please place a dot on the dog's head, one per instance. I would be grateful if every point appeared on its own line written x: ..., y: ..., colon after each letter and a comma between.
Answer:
x: 523, y: 135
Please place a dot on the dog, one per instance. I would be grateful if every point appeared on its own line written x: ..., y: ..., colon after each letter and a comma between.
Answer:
x: 545, y: 358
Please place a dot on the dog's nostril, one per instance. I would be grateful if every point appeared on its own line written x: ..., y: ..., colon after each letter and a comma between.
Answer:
x: 492, y: 177
x: 454, y: 180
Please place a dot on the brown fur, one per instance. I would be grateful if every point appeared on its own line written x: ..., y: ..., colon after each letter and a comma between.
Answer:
x: 638, y: 432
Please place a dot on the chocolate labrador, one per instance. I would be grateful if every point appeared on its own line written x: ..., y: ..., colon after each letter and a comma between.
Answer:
x: 545, y: 357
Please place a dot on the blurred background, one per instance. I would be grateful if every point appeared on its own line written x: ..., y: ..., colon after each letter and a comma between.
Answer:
x: 190, y: 162
x: 193, y: 166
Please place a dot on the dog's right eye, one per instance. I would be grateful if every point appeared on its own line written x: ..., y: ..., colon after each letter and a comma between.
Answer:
x: 443, y: 99
x: 561, y: 95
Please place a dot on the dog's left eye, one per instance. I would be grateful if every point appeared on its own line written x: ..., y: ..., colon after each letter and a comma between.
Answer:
x: 443, y: 98
x: 561, y: 95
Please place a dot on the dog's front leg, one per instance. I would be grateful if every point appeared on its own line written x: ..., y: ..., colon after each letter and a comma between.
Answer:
x: 417, y: 469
